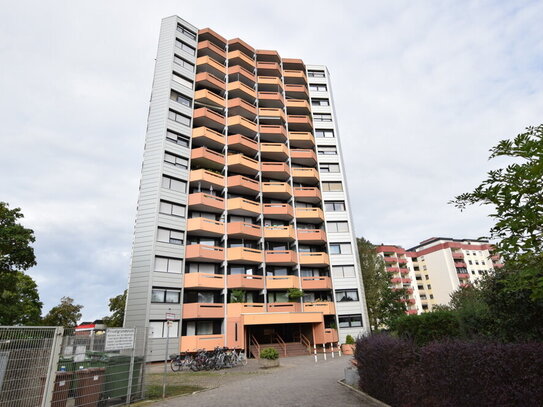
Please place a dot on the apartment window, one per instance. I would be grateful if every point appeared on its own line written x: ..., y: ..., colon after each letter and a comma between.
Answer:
x: 334, y: 206
x: 179, y: 118
x: 202, y: 268
x: 324, y: 133
x: 174, y: 184
x: 470, y: 262
x: 337, y: 227
x: 165, y: 295
x: 315, y: 74
x: 322, y: 117
x: 343, y: 271
x: 320, y: 102
x: 170, y: 208
x: 332, y: 186
x: 167, y: 265
x: 429, y: 286
x: 176, y: 160
x: 329, y: 167
x: 170, y: 236
x: 159, y: 329
x: 177, y: 138
x: 327, y: 150
x: 187, y: 83
x: 184, y: 63
x: 185, y: 47
x: 431, y: 296
x: 350, y: 321
x: 340, y: 248
x: 186, y: 32
x: 182, y: 99
x: 317, y: 87
x: 346, y: 295
x: 426, y: 277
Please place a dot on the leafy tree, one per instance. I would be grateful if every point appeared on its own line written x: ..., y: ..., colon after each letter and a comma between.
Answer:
x: 117, y: 305
x: 21, y: 306
x: 383, y: 303
x: 65, y: 314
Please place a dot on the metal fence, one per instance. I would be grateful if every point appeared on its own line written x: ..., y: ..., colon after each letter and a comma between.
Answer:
x: 57, y: 367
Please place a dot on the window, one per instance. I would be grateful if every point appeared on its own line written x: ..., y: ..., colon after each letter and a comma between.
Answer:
x: 277, y: 296
x: 431, y: 296
x: 185, y: 47
x: 159, y: 329
x: 320, y: 102
x: 170, y: 208
x: 184, y: 63
x: 340, y: 248
x: 315, y: 74
x: 429, y: 286
x: 208, y: 268
x: 343, y: 271
x: 324, y: 133
x: 179, y: 118
x: 322, y: 117
x: 182, y: 80
x: 167, y: 265
x: 332, y: 227
x: 186, y: 32
x: 329, y: 186
x: 176, y: 160
x: 179, y: 98
x: 327, y: 150
x: 177, y: 138
x: 329, y: 167
x: 350, y: 321
x: 170, y: 236
x: 334, y: 206
x: 165, y: 295
x: 346, y: 295
x: 174, y: 184
x: 317, y: 87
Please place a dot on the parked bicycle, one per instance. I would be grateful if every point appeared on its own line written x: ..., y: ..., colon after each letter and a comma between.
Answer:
x: 219, y: 358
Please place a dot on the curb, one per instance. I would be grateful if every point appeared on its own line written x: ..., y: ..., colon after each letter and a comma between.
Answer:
x: 364, y: 396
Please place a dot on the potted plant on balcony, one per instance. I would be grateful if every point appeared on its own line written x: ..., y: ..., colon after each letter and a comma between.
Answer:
x: 348, y: 347
x: 294, y: 294
x: 237, y: 296
x: 269, y: 357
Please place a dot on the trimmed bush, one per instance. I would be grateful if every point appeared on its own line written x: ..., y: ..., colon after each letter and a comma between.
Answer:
x: 269, y: 353
x: 427, y: 327
x: 349, y: 340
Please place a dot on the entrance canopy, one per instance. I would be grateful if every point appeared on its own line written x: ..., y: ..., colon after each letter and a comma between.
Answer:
x: 282, y: 318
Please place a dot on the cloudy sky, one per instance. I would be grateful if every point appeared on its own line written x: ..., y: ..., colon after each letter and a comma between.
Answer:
x: 422, y: 89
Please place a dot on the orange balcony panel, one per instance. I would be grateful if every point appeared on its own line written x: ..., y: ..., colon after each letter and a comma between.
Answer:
x: 271, y: 115
x: 281, y: 258
x: 278, y: 211
x: 205, y: 227
x: 249, y: 281
x: 299, y: 122
x: 268, y: 55
x: 301, y: 139
x: 244, y: 255
x: 404, y: 271
x: 305, y: 175
x: 201, y: 201
x: 202, y: 136
x: 460, y: 265
x: 463, y: 275
x: 303, y: 156
x: 312, y: 236
x: 315, y: 259
x: 284, y: 306
x: 389, y: 259
x: 207, y: 48
x: 203, y: 310
x: 279, y: 233
x: 279, y: 171
x: 208, y: 118
x: 236, y: 309
x: 242, y: 164
x: 331, y: 335
x: 237, y: 43
x: 269, y: 82
x: 326, y: 307
x: 298, y: 106
x: 293, y: 63
x: 204, y: 157
x: 310, y: 215
x: 240, y: 107
x: 206, y: 97
x: 269, y: 132
x: 307, y: 194
x: 274, y: 151
x: 243, y: 144
x: 282, y: 282
x: 239, y: 73
x: 241, y: 125
x: 276, y: 190
x: 393, y: 269
x: 211, y: 81
x: 268, y: 68
x: 207, y: 34
x: 204, y: 253
x: 296, y: 91
x: 457, y: 255
x: 243, y: 207
x: 316, y: 283
x: 402, y: 260
x: 243, y: 185
x: 204, y: 280
x: 294, y: 76
x: 197, y: 342
x: 464, y: 285
x: 396, y: 280
x: 208, y: 64
x: 237, y: 57
x: 244, y: 230
x: 238, y: 89
x: 207, y: 178
x: 270, y: 99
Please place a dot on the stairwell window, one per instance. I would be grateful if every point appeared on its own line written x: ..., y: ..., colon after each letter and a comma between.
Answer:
x: 337, y: 227
x: 159, y: 329
x: 332, y: 186
x: 165, y: 295
x: 322, y: 117
x: 346, y: 295
x: 334, y: 206
x: 186, y: 32
x: 315, y: 74
x: 170, y: 208
x: 350, y: 321
x: 184, y: 63
x: 320, y: 102
x: 324, y: 133
x: 317, y: 87
x: 176, y: 160
x: 187, y: 83
x: 179, y: 118
x: 185, y: 47
x: 329, y: 167
x: 172, y: 236
x: 174, y: 184
x: 340, y: 248
x: 343, y: 271
x: 177, y: 138
x: 181, y: 99
x: 167, y: 265
x: 327, y: 150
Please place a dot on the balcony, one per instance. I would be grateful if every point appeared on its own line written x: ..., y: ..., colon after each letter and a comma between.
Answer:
x: 204, y: 253
x: 293, y: 63
x: 310, y: 215
x: 202, y: 136
x: 331, y: 336
x: 210, y: 81
x: 312, y: 236
x: 273, y: 170
x: 463, y: 276
x: 237, y: 57
x: 207, y: 34
x: 247, y: 281
x: 244, y: 255
x: 270, y: 83
x: 281, y: 257
x: 276, y: 190
x: 243, y: 207
x: 239, y: 73
x: 204, y: 280
x: 243, y: 144
x: 391, y: 259
x: 208, y: 64
x: 242, y: 164
x: 239, y: 184
x: 208, y: 118
x: 270, y: 99
x: 460, y: 264
x: 404, y: 271
x: 278, y: 211
x: 308, y: 176
x: 280, y: 233
x: 284, y: 306
x: 294, y: 76
x: 393, y: 269
x: 205, y: 158
x: 315, y: 259
x: 274, y: 151
x: 207, y: 97
x: 272, y: 133
x: 326, y: 307
x: 303, y: 157
x: 240, y: 107
x: 271, y: 115
x: 298, y: 106
x: 236, y: 309
x: 244, y: 230
x: 411, y: 312
x: 207, y: 179
x: 238, y: 89
x: 316, y: 283
x: 296, y: 91
x: 239, y: 44
x: 268, y: 56
x: 307, y: 194
x: 298, y: 122
x: 203, y: 310
x: 201, y: 201
x: 241, y: 125
x: 458, y: 255
x: 207, y: 48
x: 465, y: 285
x: 195, y: 342
x: 205, y: 227
x: 282, y: 282
x: 268, y: 68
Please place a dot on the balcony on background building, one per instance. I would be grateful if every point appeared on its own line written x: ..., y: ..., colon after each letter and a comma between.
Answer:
x: 303, y: 175
x: 303, y: 157
x: 242, y: 164
x: 207, y: 48
x: 389, y: 259
x: 244, y: 255
x: 208, y: 118
x: 238, y: 44
x: 316, y: 283
x: 311, y: 236
x: 411, y: 312
x: 266, y: 55
x: 243, y: 207
x: 273, y: 133
x: 280, y: 233
x: 203, y: 310
x: 241, y: 125
x: 239, y: 73
x: 315, y: 259
x: 393, y: 269
x: 247, y: 281
x: 280, y: 211
x: 203, y: 157
x: 238, y: 184
x: 239, y: 89
x: 203, y: 280
x: 207, y: 34
x: 203, y: 202
x: 243, y: 144
x: 402, y: 260
x: 269, y: 83
x: 310, y: 215
x: 240, y: 107
x: 205, y: 227
x: 294, y: 76
x: 293, y: 63
x: 203, y: 136
x: 298, y: 107
x: 462, y: 276
x: 204, y: 253
x: 296, y: 91
x: 459, y: 264
x: 404, y: 270
x: 458, y: 255
x: 243, y: 230
x: 270, y: 99
x: 282, y: 282
x: 281, y: 257
x: 268, y: 68
x: 326, y: 307
x: 238, y: 57
x: 274, y: 151
x: 307, y: 194
x: 276, y: 190
x: 207, y: 179
x: 297, y: 122
x: 209, y: 81
x: 208, y: 64
x: 274, y: 170
x: 207, y: 97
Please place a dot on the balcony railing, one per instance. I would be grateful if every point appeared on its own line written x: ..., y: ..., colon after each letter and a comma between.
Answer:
x: 201, y: 201
x: 244, y: 144
x: 207, y: 178
x: 243, y: 230
x: 196, y: 342
x: 282, y: 282
x: 204, y: 253
x: 279, y: 233
x: 204, y: 280
x: 244, y: 255
x: 278, y: 211
x: 281, y: 257
x: 203, y: 310
x: 316, y: 283
x: 203, y: 136
x: 242, y: 206
x: 326, y: 307
x: 315, y: 236
x: 205, y: 227
x: 315, y: 259
x: 248, y: 281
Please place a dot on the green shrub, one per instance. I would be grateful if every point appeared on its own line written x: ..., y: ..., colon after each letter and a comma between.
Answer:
x: 349, y: 340
x: 425, y: 328
x: 294, y: 294
x: 269, y: 353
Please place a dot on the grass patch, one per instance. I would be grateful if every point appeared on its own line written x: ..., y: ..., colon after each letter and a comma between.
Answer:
x: 154, y: 391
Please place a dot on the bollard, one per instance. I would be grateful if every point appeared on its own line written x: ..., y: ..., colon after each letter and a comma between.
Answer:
x: 332, y: 349
x: 339, y: 349
x: 324, y: 350
x: 315, y: 351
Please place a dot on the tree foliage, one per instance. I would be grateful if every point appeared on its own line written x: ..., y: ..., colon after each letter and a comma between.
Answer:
x: 117, y: 306
x: 21, y: 305
x: 65, y: 314
x: 16, y: 254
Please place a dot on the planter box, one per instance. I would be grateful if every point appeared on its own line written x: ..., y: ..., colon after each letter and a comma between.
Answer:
x: 267, y: 363
x: 347, y: 349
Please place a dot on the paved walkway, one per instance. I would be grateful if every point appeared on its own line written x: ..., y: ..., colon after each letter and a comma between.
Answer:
x: 299, y: 382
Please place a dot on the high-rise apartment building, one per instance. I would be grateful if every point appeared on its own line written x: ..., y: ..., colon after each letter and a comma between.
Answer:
x: 243, y: 204
x: 434, y: 269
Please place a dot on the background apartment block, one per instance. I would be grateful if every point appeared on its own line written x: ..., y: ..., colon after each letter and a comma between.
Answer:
x: 434, y: 269
x: 242, y: 197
